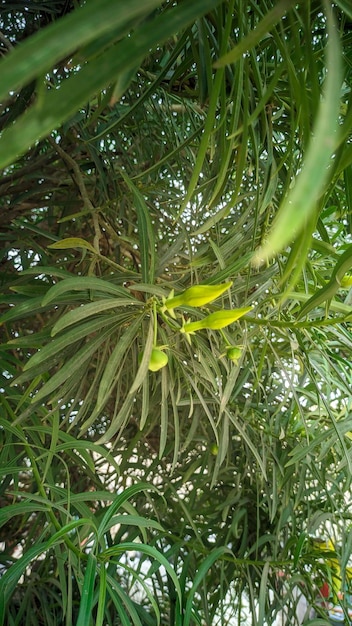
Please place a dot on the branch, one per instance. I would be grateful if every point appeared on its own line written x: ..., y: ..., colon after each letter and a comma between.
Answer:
x: 78, y: 180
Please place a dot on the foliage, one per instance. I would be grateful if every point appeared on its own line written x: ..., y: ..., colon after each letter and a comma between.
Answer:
x: 166, y: 457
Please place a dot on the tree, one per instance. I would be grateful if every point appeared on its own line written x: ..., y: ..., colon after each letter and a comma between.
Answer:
x: 166, y: 460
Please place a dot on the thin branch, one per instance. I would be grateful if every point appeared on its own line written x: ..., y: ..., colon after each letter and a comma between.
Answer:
x: 6, y: 42
x: 78, y: 180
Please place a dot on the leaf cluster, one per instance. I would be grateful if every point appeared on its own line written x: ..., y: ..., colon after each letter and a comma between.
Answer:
x: 149, y: 148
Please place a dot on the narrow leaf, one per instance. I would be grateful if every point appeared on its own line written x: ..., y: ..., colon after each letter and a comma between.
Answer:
x: 145, y: 233
x: 301, y: 201
x: 147, y: 350
x: 57, y: 105
x: 118, y: 503
x: 73, y: 242
x: 71, y: 367
x: 200, y: 578
x: 83, y: 283
x: 254, y: 37
x: 54, y: 347
x: 327, y: 292
x: 115, y: 359
x: 41, y: 51
x: 87, y: 310
x: 87, y: 597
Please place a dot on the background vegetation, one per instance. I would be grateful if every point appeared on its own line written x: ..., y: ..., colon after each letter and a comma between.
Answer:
x: 147, y: 147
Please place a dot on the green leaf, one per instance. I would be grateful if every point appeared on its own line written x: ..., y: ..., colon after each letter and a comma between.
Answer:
x: 22, y: 508
x: 254, y: 37
x: 145, y: 232
x: 118, y: 502
x: 326, y: 293
x: 318, y: 622
x: 345, y: 6
x: 120, y: 599
x: 83, y: 283
x: 117, y: 421
x: 87, y: 596
x: 9, y: 579
x: 147, y: 350
x: 263, y: 595
x: 199, y: 578
x: 102, y: 596
x: 301, y: 202
x: 164, y: 414
x: 151, y: 552
x: 208, y: 130
x: 54, y: 106
x: 23, y: 310
x: 87, y: 310
x: 72, y: 242
x: 112, y: 369
x: 71, y: 367
x: 58, y: 40
x: 54, y: 347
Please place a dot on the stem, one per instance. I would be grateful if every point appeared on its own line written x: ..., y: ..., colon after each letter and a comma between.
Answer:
x: 155, y: 324
x: 71, y: 546
x: 227, y: 343
x: 171, y: 324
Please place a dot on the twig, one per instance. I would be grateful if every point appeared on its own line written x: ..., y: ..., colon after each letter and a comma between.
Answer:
x: 6, y: 42
x: 78, y: 180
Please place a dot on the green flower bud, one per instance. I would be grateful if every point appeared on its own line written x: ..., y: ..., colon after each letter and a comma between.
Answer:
x: 214, y: 449
x: 233, y: 353
x: 216, y: 320
x: 346, y: 282
x: 158, y: 359
x: 199, y: 295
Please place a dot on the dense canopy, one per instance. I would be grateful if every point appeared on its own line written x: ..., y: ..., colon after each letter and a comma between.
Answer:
x: 176, y: 305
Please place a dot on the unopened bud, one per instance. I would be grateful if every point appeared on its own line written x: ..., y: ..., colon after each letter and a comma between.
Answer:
x: 199, y: 295
x: 217, y: 320
x: 233, y: 353
x: 158, y: 359
x: 346, y: 282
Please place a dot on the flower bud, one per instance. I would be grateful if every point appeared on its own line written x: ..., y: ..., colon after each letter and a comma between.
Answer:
x: 233, y: 353
x: 199, y: 295
x: 158, y: 359
x: 216, y: 320
x: 346, y: 281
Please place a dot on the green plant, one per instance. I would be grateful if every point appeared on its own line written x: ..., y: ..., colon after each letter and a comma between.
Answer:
x: 155, y: 155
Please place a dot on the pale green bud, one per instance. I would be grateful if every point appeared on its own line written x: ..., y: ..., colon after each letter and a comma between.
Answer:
x: 233, y: 353
x: 217, y: 320
x: 199, y: 295
x: 158, y: 359
x: 346, y: 282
